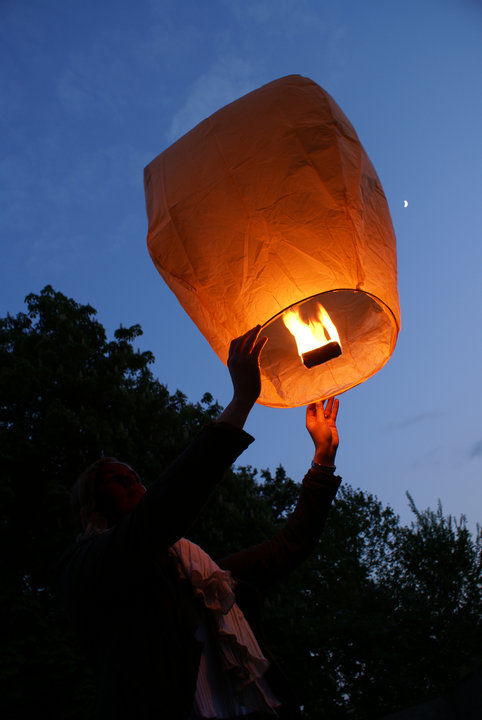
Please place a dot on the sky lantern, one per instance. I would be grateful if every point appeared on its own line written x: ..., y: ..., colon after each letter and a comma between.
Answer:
x: 270, y: 212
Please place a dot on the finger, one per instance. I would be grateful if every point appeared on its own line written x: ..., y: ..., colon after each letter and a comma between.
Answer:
x: 328, y: 407
x: 257, y: 349
x: 317, y: 410
x: 334, y: 412
x: 248, y: 340
x: 234, y: 347
x: 237, y: 344
x: 251, y: 339
x: 310, y: 411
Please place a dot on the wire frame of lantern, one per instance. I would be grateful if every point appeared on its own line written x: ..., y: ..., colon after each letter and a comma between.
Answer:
x: 270, y: 212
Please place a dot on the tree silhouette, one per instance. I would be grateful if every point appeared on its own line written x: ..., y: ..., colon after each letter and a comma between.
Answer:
x: 68, y: 395
x: 382, y: 615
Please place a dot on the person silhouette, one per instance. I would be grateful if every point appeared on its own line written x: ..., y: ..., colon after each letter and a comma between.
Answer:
x: 171, y: 633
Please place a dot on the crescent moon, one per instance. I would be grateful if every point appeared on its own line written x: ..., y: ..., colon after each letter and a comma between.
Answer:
x: 405, y: 203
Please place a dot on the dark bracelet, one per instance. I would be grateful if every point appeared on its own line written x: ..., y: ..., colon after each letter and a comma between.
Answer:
x: 326, y: 468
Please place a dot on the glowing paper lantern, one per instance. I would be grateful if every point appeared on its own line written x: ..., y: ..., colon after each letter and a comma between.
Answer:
x: 270, y: 212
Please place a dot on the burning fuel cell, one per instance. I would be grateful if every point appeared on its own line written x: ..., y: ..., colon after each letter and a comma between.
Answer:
x: 317, y: 339
x: 321, y: 355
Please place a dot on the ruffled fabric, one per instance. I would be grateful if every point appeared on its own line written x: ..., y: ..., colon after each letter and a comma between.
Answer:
x: 240, y: 654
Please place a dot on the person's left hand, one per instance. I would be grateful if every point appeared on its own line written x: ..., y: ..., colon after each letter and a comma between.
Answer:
x: 321, y: 424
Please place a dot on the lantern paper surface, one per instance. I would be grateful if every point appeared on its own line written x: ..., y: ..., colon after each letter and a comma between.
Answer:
x: 269, y: 204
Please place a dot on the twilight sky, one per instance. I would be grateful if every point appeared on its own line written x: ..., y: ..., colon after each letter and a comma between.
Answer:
x: 92, y: 91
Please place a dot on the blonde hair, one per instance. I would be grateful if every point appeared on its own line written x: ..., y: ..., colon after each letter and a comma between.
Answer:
x: 85, y: 502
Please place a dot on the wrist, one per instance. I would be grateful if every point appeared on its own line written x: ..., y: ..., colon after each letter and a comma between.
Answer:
x: 324, y: 457
x: 327, y: 468
x: 236, y: 413
x: 243, y: 400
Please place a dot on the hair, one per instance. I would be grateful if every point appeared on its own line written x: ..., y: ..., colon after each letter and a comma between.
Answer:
x: 85, y: 500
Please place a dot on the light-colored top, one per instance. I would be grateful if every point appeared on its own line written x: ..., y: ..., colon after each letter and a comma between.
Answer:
x: 230, y: 680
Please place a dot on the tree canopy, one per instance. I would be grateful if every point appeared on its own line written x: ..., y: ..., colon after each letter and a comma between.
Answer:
x: 382, y: 615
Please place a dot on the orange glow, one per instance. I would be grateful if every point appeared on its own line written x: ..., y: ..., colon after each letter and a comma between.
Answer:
x: 285, y: 212
x: 313, y: 334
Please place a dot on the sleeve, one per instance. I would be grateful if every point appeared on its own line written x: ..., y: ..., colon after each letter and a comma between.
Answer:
x: 171, y: 504
x: 100, y: 568
x: 264, y: 564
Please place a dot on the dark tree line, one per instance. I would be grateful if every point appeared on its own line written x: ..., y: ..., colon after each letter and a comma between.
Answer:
x: 381, y: 617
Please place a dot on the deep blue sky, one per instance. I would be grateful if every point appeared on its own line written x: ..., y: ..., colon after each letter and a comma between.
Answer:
x: 92, y: 91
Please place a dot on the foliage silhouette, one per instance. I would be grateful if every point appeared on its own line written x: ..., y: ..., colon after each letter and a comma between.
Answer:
x: 382, y: 615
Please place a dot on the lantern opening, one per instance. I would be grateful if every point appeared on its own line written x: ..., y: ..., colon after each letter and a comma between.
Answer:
x: 316, y: 338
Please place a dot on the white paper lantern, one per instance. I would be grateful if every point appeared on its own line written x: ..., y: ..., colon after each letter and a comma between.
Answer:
x: 272, y: 205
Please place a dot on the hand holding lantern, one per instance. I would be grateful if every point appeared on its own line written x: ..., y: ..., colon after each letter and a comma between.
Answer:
x: 243, y: 364
x: 321, y: 424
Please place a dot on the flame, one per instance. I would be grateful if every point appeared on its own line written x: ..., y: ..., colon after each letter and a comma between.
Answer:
x: 313, y: 334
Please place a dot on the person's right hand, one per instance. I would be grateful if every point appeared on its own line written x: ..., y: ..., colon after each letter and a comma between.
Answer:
x: 243, y: 364
x: 321, y: 424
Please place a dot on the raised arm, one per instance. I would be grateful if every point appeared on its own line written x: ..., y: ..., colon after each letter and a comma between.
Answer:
x: 243, y: 365
x: 268, y: 562
x: 171, y: 504
x: 321, y: 424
